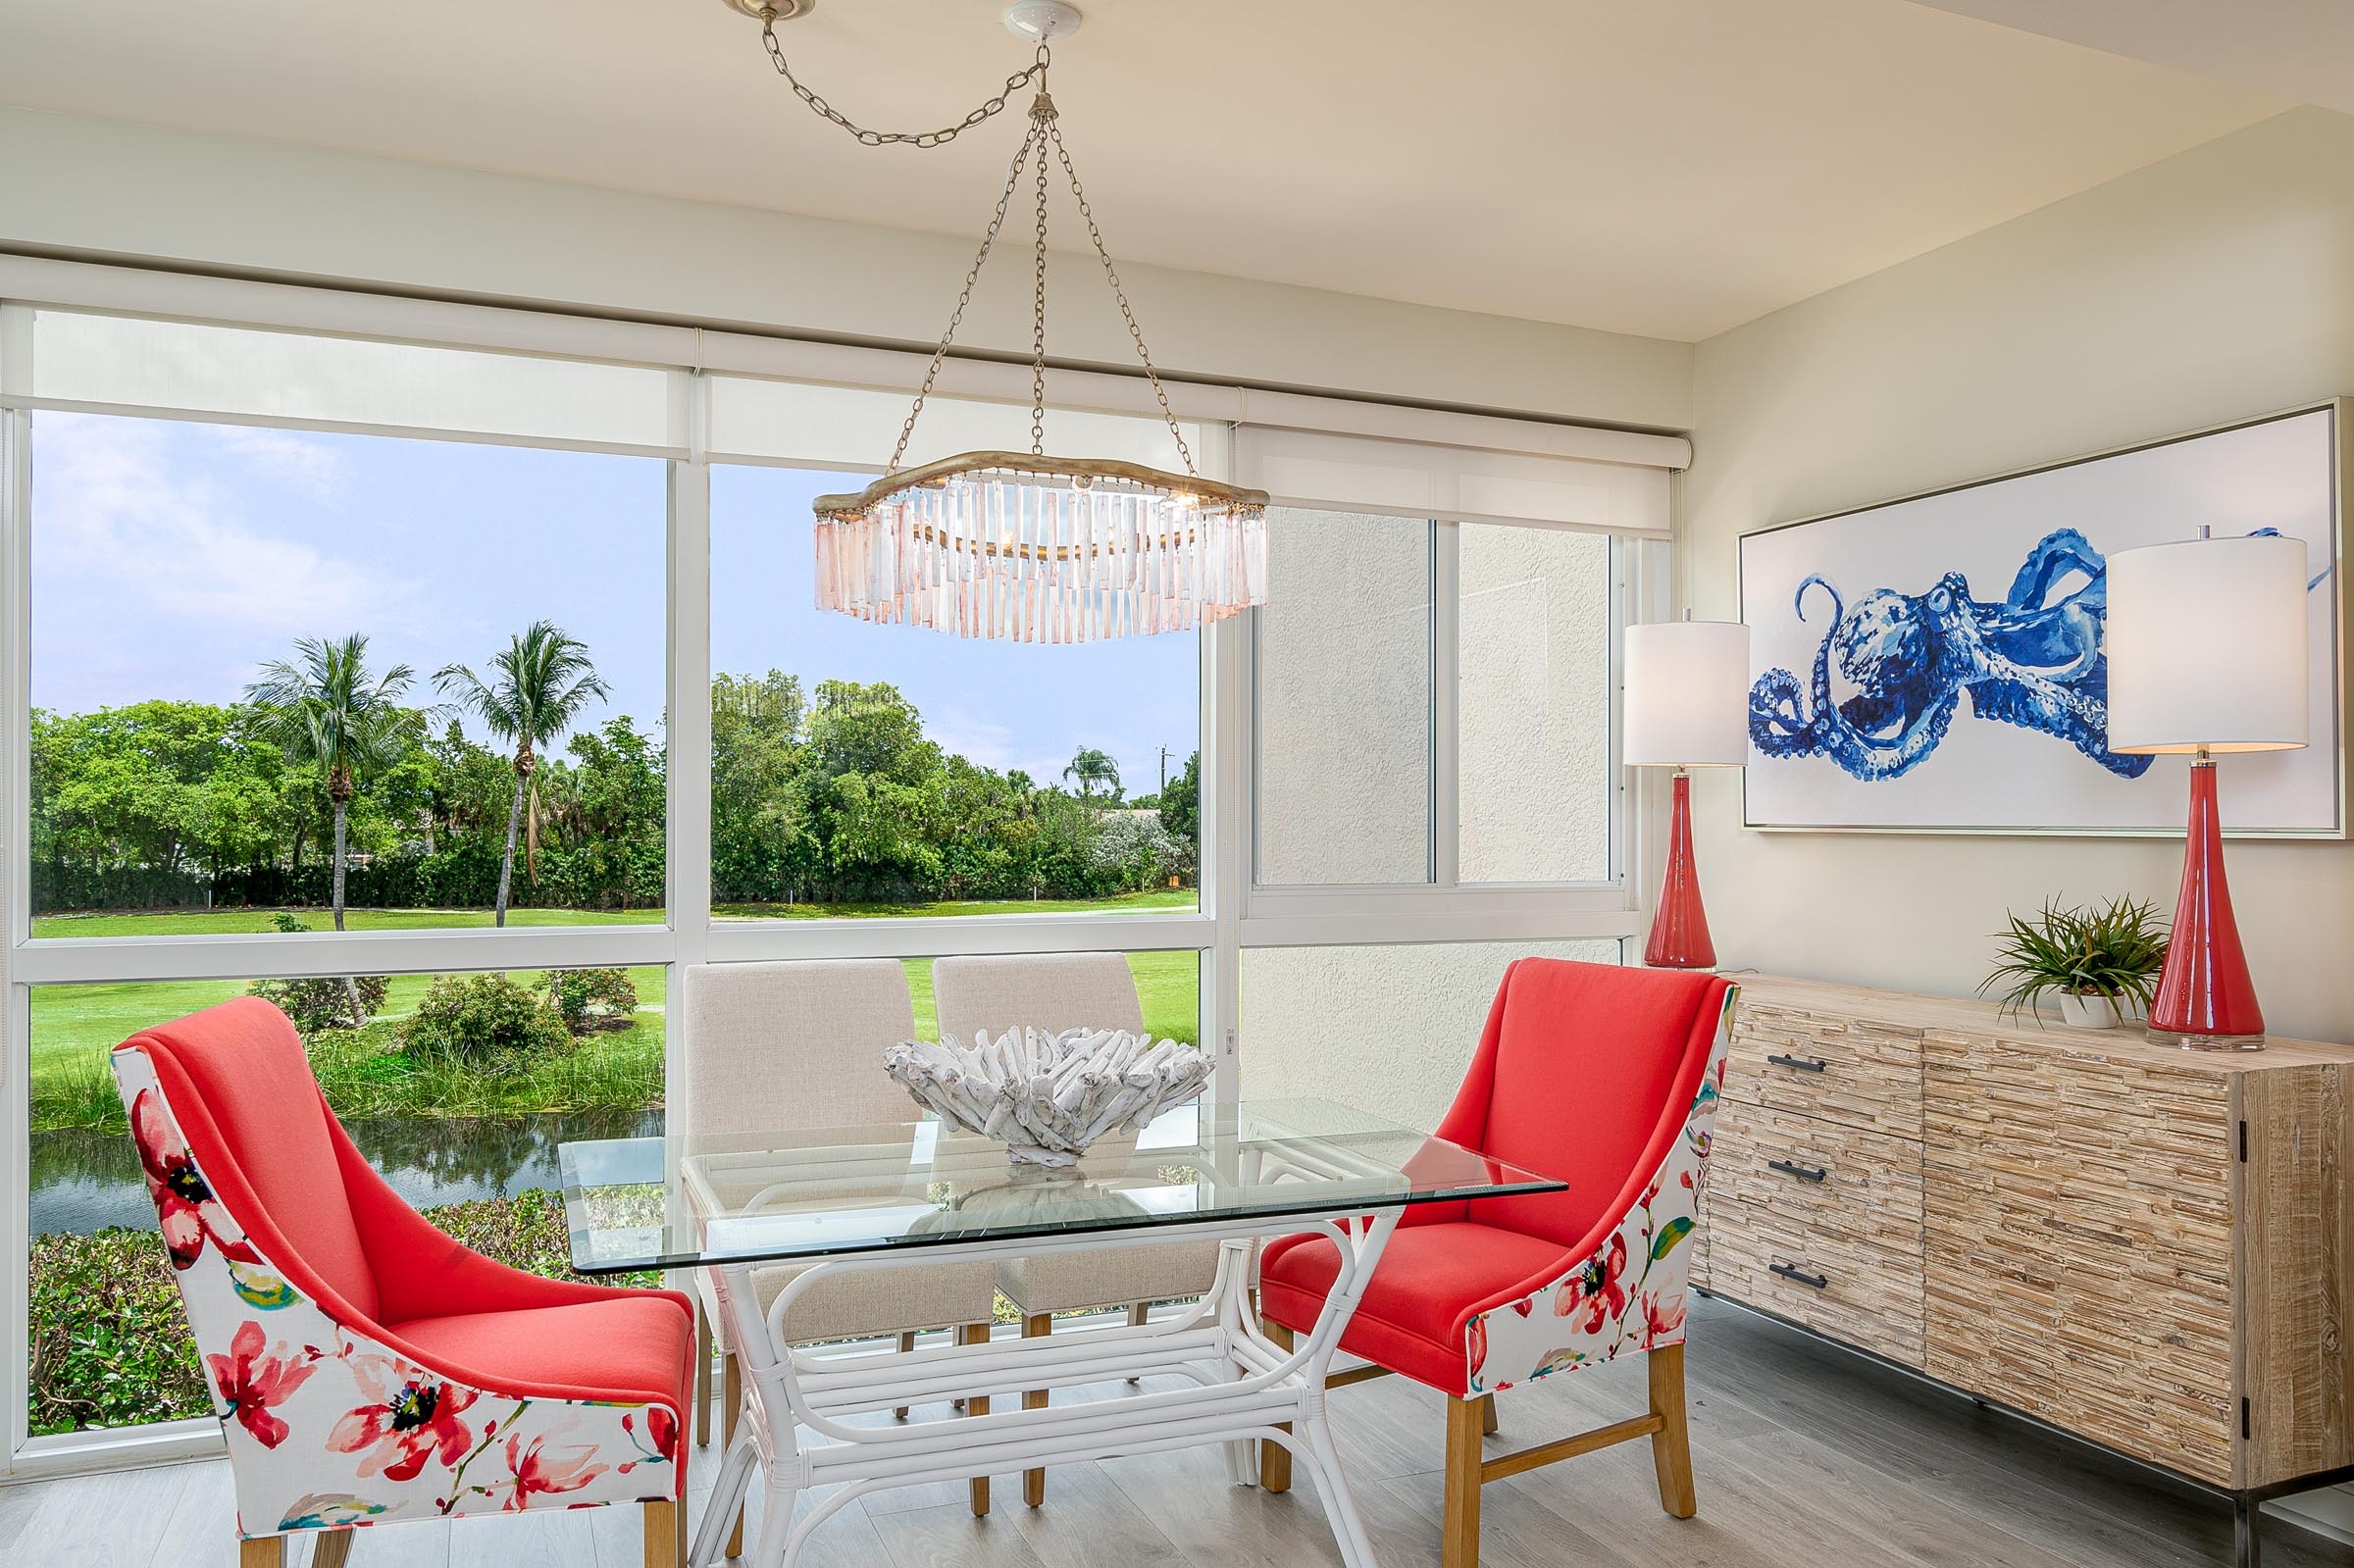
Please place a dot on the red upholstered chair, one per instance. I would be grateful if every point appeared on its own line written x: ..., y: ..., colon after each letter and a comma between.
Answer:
x: 1603, y: 1078
x: 366, y: 1368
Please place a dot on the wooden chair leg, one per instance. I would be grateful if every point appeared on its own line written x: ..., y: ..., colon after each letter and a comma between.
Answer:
x: 702, y: 1377
x: 1459, y: 1531
x: 267, y: 1551
x: 332, y: 1549
x: 1487, y: 1415
x: 665, y: 1534
x: 1139, y: 1313
x: 1671, y: 1445
x: 731, y: 1409
x: 976, y: 1405
x: 906, y: 1344
x: 1034, y: 1482
x: 1274, y: 1459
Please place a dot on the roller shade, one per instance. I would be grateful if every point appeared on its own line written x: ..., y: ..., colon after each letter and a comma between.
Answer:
x: 1453, y: 483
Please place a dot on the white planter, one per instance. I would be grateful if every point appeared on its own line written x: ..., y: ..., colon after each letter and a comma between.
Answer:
x: 2083, y: 1010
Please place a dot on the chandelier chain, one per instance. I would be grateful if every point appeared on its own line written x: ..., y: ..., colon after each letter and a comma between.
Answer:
x: 989, y: 109
x: 972, y: 275
x: 1112, y: 276
x: 1040, y: 119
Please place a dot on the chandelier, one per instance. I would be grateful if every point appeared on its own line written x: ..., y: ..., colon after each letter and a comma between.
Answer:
x: 1026, y: 546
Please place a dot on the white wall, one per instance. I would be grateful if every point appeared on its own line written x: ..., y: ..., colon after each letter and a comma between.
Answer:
x: 2214, y: 284
x: 80, y: 184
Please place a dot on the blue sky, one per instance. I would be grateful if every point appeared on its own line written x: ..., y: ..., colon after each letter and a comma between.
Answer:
x: 171, y: 559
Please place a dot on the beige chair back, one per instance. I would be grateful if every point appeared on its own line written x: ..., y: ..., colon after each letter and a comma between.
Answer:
x: 1049, y: 990
x: 794, y: 1045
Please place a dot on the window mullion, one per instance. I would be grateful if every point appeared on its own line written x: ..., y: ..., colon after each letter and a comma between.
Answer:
x: 687, y: 663
x: 16, y: 1002
x: 1446, y: 705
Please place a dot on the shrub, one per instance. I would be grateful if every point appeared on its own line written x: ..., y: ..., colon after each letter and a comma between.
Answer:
x: 323, y: 1002
x: 111, y: 1345
x: 487, y: 1022
x: 592, y: 1000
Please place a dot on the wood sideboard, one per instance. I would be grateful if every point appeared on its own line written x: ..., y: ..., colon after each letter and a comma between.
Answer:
x: 2146, y: 1246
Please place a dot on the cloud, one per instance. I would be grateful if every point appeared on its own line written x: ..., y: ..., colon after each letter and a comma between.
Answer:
x: 297, y: 462
x: 123, y: 522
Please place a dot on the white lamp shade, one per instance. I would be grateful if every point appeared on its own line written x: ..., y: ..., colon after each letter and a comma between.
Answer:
x: 1687, y: 694
x: 2208, y: 646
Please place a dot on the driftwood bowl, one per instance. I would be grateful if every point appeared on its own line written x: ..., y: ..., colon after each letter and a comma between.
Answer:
x: 1048, y: 1095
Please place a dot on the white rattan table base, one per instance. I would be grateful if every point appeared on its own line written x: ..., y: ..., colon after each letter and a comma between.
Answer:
x: 1241, y: 1388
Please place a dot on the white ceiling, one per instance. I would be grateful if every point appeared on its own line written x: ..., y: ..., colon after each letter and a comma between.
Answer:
x: 1670, y: 167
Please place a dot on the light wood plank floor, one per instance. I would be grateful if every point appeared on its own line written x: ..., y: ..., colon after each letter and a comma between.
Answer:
x: 1806, y: 1457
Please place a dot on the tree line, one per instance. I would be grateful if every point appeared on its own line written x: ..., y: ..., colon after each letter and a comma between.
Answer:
x: 330, y: 785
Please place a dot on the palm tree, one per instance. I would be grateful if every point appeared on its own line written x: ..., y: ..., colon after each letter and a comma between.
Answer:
x: 1091, y: 767
x: 321, y: 707
x: 539, y: 684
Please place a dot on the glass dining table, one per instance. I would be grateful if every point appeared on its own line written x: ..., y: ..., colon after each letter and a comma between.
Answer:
x: 922, y: 1192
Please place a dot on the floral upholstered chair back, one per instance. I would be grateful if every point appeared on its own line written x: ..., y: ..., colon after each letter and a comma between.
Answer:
x: 1609, y: 1078
x: 276, y: 1231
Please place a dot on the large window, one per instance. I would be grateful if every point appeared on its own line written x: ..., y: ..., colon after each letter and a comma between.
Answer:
x: 884, y: 770
x: 266, y: 670
x: 1315, y: 834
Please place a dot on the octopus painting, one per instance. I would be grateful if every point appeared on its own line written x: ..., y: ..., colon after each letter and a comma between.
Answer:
x: 2031, y: 659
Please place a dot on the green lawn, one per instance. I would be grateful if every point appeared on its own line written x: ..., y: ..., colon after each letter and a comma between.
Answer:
x: 1155, y: 901
x: 74, y: 1026
x: 250, y: 922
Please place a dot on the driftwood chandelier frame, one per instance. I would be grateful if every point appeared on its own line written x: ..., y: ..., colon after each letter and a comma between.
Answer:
x: 1028, y: 546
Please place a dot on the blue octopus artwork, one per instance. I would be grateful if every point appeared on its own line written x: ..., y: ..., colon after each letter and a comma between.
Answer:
x: 2031, y: 659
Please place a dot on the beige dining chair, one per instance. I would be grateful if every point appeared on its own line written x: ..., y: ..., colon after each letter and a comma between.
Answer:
x: 1066, y: 990
x: 799, y: 1045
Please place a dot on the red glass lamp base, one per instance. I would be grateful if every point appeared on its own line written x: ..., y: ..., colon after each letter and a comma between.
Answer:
x: 2205, y: 998
x: 1679, y: 931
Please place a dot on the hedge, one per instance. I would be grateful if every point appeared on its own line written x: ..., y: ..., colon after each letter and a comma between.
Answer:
x: 110, y: 1347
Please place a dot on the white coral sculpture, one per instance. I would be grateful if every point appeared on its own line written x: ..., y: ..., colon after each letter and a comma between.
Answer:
x: 1048, y: 1095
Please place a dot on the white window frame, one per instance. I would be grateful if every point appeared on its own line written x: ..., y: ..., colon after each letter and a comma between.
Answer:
x: 1231, y: 915
x: 1446, y: 908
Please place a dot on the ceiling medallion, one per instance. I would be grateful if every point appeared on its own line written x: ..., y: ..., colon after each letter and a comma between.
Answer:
x: 1026, y: 546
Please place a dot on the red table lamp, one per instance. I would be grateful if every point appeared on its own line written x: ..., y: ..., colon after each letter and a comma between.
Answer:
x: 1687, y: 706
x: 2208, y: 653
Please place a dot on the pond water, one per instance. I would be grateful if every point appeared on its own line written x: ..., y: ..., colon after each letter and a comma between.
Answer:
x: 83, y: 1179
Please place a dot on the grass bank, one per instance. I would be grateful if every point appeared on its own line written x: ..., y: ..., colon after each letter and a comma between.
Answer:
x: 365, y: 1073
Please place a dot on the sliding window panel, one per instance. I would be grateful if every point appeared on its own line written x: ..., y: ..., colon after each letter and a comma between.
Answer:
x: 1344, y: 671
x: 1533, y: 753
x: 244, y: 638
x: 457, y: 1088
x: 862, y: 770
x: 1384, y: 1029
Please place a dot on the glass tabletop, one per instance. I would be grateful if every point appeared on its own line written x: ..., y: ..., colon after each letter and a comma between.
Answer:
x: 674, y: 1202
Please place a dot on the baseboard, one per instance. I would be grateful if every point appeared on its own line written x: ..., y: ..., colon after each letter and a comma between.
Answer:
x: 2328, y: 1513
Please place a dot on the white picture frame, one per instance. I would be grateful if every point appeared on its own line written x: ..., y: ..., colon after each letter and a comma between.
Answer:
x: 1957, y: 631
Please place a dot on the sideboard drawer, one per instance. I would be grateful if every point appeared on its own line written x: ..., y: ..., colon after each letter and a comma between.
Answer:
x: 1823, y: 1177
x: 1862, y: 1295
x: 1843, y: 1070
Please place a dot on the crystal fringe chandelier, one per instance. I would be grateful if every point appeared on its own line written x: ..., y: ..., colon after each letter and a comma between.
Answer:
x: 1025, y: 546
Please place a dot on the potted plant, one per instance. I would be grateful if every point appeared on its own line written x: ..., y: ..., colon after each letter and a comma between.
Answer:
x: 2099, y: 964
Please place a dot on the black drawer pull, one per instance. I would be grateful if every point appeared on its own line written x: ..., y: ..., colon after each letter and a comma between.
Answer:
x: 1801, y: 1063
x: 1805, y: 1173
x: 1792, y: 1272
